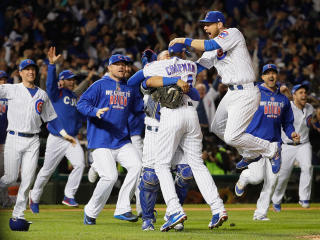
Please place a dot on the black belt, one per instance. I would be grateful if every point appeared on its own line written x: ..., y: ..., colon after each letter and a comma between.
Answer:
x: 28, y: 135
x: 293, y: 144
x: 150, y: 128
x: 238, y: 87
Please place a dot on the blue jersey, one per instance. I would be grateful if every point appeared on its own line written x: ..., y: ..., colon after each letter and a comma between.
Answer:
x: 111, y: 131
x: 136, y: 119
x: 64, y: 102
x: 273, y: 113
x: 3, y: 119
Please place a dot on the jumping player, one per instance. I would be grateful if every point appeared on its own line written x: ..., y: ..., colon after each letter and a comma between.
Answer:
x: 273, y: 114
x: 107, y: 104
x: 302, y: 152
x: 64, y: 102
x: 27, y: 105
x: 228, y: 53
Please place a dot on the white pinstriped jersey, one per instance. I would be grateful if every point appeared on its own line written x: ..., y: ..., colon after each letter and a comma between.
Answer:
x: 232, y: 60
x: 174, y: 67
x: 301, y: 123
x: 24, y: 111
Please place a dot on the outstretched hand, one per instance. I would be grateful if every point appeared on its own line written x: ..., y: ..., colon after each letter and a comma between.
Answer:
x: 176, y: 40
x: 53, y: 58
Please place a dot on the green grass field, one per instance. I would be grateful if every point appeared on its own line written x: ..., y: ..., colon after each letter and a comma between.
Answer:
x: 57, y: 222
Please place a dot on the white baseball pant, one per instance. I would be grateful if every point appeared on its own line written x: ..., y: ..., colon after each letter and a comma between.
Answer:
x: 20, y: 155
x: 104, y: 163
x: 289, y: 154
x: 232, y: 118
x: 56, y: 149
x: 256, y: 173
x: 180, y: 127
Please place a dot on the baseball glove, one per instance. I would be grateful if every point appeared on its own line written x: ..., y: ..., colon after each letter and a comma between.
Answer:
x: 168, y: 96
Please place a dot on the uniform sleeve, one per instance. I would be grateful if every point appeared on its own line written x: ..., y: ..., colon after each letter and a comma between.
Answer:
x: 287, y: 119
x: 86, y: 104
x: 229, y: 38
x: 194, y: 94
x: 137, y: 105
x: 153, y: 69
x: 52, y: 83
x: 136, y: 78
x: 207, y: 59
x: 4, y: 90
x: 48, y: 113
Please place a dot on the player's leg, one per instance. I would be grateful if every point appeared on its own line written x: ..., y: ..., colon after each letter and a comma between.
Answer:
x: 28, y: 168
x: 288, y: 155
x: 170, y: 132
x: 75, y: 155
x: 55, y: 150
x: 12, y: 163
x: 105, y: 165
x: 219, y: 122
x: 241, y: 108
x: 191, y: 145
x: 129, y: 158
x: 253, y: 175
x: 5, y: 200
x: 137, y: 142
x: 304, y: 157
x: 266, y: 193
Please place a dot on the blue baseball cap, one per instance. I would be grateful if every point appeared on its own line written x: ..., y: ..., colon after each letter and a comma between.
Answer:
x: 66, y: 74
x: 213, y: 17
x: 17, y: 224
x: 3, y: 74
x: 27, y: 62
x: 268, y: 67
x: 116, y: 58
x: 127, y: 59
x: 177, y: 48
x: 298, y: 86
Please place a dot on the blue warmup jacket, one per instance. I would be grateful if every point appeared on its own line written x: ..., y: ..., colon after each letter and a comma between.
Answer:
x: 64, y: 103
x: 3, y: 119
x: 136, y: 119
x: 273, y: 113
x: 111, y: 131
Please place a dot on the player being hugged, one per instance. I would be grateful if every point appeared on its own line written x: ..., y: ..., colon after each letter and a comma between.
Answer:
x: 228, y: 53
x: 27, y: 105
x: 64, y: 102
x: 107, y: 104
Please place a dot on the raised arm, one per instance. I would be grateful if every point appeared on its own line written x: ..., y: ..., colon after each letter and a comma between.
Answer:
x: 52, y: 81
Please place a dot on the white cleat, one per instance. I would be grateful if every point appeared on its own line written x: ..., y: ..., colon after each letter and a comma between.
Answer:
x: 260, y: 218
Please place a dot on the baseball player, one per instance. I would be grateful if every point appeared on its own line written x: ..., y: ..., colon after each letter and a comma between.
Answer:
x: 27, y: 105
x: 273, y: 114
x: 227, y: 52
x: 64, y: 102
x: 180, y: 127
x: 107, y: 104
x: 149, y: 184
x: 301, y: 152
x: 5, y: 201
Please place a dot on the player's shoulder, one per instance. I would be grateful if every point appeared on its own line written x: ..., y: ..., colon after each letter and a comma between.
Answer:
x: 309, y: 107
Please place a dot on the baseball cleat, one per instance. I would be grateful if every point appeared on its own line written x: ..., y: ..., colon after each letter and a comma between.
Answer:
x: 244, y: 162
x: 147, y: 225
x: 276, y: 160
x: 92, y: 175
x: 260, y: 218
x: 276, y: 207
x: 238, y: 189
x: 34, y: 207
x: 128, y: 216
x: 173, y: 220
x: 89, y: 220
x: 70, y: 202
x: 218, y: 219
x: 304, y: 203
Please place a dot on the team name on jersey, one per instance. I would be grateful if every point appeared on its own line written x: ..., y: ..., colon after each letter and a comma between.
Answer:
x: 178, y: 68
x: 272, y: 109
x: 118, y: 99
x: 70, y: 101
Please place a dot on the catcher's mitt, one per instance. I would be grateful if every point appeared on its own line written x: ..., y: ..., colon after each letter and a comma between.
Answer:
x: 168, y: 96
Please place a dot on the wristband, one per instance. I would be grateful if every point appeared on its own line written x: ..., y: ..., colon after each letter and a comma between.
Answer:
x: 63, y: 133
x: 188, y: 41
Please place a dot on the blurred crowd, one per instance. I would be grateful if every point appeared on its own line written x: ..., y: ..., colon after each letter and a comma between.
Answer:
x: 88, y: 32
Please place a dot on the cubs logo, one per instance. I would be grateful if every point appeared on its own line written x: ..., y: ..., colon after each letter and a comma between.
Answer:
x: 223, y: 34
x: 220, y: 54
x: 272, y: 99
x: 308, y: 121
x: 38, y: 106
